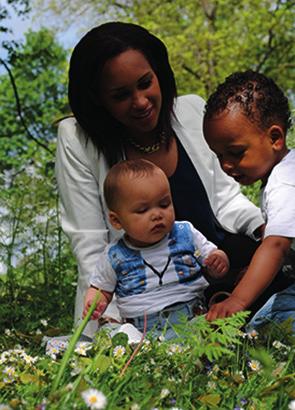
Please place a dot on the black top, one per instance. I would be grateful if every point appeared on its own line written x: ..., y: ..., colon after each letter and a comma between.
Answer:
x: 190, y: 198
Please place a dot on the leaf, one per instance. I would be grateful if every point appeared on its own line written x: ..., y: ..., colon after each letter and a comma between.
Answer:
x: 120, y: 339
x: 210, y: 399
x: 102, y: 363
x: 27, y: 378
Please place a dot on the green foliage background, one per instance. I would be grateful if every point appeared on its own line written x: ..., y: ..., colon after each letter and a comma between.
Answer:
x: 207, y: 40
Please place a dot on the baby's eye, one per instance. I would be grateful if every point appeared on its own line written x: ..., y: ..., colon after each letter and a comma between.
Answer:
x: 165, y: 204
x: 140, y: 210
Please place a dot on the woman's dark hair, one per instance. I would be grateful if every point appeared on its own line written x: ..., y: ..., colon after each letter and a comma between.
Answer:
x: 87, y: 61
x: 259, y: 97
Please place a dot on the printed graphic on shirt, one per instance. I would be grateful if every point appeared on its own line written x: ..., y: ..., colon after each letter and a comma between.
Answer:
x: 183, y: 253
x: 130, y: 269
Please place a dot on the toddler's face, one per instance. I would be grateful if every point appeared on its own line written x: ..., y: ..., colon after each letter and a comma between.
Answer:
x: 245, y: 152
x: 145, y: 210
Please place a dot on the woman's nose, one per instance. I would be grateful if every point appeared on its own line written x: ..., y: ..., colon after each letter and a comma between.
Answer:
x: 139, y: 101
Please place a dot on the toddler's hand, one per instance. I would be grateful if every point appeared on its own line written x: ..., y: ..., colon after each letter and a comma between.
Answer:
x: 225, y: 308
x: 217, y: 264
x: 100, y: 306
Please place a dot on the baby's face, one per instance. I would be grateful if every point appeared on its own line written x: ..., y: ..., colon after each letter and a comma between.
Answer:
x: 145, y: 211
x: 245, y: 152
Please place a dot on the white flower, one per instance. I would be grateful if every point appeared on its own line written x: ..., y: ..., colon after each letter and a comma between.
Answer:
x: 291, y: 405
x: 29, y: 359
x: 175, y: 348
x: 161, y: 338
x: 10, y: 372
x: 7, y: 332
x: 82, y: 348
x: 38, y: 332
x: 135, y: 406
x: 279, y: 345
x: 119, y: 351
x: 53, y: 352
x: 164, y: 393
x: 240, y: 375
x: 211, y: 385
x: 254, y: 365
x: 69, y: 387
x: 44, y: 322
x: 5, y: 407
x: 94, y: 399
x: 4, y: 357
x: 252, y: 334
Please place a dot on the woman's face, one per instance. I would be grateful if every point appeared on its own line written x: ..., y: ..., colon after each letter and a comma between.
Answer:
x: 130, y: 92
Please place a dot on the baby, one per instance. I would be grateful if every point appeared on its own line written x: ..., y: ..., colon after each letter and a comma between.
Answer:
x: 156, y: 268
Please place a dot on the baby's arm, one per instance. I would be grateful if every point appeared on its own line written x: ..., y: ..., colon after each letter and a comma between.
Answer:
x: 217, y: 263
x: 104, y: 300
x: 264, y: 265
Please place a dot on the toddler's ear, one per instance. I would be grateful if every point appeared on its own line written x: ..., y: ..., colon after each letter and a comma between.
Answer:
x: 277, y: 136
x: 114, y: 220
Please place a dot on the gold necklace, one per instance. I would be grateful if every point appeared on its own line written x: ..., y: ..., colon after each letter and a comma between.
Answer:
x: 149, y: 149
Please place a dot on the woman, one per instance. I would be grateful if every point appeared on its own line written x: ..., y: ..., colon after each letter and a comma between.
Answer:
x: 123, y: 96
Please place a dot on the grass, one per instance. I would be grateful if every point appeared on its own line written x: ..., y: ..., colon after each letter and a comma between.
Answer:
x: 210, y: 366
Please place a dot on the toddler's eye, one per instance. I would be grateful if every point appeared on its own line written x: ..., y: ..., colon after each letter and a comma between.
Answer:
x: 237, y: 154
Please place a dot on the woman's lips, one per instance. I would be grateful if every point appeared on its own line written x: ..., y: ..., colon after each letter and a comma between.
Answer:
x: 144, y: 114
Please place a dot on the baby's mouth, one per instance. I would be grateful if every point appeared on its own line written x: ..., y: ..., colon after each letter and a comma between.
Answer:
x: 158, y: 227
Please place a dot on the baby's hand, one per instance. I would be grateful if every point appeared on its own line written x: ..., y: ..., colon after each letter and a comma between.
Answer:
x: 225, y: 308
x: 100, y: 306
x: 217, y: 264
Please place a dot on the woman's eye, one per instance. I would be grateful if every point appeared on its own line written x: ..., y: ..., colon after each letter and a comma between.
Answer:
x: 143, y: 85
x: 120, y: 96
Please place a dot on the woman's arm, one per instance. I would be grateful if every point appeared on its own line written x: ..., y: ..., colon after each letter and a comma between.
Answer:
x: 82, y: 215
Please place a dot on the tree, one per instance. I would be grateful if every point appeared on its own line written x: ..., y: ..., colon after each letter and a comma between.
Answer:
x: 32, y: 248
x: 32, y: 98
x: 208, y: 39
x: 21, y: 7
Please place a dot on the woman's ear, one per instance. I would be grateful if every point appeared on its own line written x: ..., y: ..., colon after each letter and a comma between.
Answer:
x: 114, y: 220
x: 277, y: 136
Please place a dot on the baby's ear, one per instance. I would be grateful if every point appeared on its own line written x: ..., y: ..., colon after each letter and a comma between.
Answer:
x: 277, y: 137
x: 114, y: 220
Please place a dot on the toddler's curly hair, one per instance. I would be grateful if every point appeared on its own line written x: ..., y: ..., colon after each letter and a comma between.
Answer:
x: 259, y: 97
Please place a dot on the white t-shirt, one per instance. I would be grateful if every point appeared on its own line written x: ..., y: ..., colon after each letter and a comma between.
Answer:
x: 152, y: 278
x: 278, y: 199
